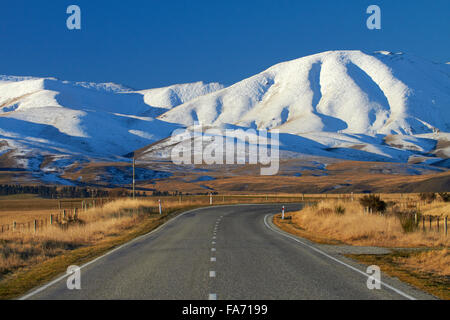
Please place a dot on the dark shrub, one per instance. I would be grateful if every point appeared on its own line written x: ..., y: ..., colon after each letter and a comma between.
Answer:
x: 408, y: 222
x: 445, y: 196
x: 339, y: 210
x: 374, y: 203
x: 427, y: 196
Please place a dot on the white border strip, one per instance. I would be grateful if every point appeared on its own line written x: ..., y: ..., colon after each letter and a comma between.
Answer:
x: 336, y: 260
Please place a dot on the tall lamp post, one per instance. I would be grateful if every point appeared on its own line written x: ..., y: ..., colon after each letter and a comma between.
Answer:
x: 134, y: 178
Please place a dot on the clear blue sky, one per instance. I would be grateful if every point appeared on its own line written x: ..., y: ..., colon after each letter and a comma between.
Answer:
x: 147, y: 44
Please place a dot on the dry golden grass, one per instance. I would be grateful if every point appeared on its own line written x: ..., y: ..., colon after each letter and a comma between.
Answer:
x: 358, y: 228
x: 20, y: 249
x: 435, y: 208
x: 7, y: 217
x: 434, y: 261
x: 25, y: 247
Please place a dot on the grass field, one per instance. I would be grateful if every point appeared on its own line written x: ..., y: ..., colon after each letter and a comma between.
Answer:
x: 342, y: 221
x: 346, y: 222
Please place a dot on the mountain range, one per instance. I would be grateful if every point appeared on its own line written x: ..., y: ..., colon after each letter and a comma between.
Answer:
x: 380, y: 106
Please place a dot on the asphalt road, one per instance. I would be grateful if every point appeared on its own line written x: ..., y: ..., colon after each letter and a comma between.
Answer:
x: 228, y: 252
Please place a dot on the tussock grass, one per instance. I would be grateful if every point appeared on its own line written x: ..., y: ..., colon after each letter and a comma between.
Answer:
x: 358, y: 228
x: 433, y: 261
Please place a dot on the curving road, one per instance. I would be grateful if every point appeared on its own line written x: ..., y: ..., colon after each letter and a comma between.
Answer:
x: 225, y: 252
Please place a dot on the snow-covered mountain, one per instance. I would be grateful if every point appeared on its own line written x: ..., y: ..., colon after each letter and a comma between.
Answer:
x: 172, y: 96
x: 43, y: 118
x: 336, y: 91
x: 338, y: 104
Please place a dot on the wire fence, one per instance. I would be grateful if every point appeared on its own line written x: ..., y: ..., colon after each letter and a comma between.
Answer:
x: 68, y: 212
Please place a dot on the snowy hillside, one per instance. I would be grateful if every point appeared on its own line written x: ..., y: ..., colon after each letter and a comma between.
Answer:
x: 337, y: 104
x: 44, y: 116
x: 175, y: 95
x: 336, y: 91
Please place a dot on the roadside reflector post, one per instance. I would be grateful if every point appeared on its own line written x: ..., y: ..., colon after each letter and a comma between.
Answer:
x: 282, y: 213
x: 160, y: 208
x: 210, y: 199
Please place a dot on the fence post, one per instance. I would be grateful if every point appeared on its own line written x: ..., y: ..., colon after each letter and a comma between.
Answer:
x: 437, y: 224
x: 35, y: 225
x: 51, y: 219
x: 430, y: 222
x: 415, y: 218
x: 423, y: 223
x: 445, y: 225
x: 14, y: 226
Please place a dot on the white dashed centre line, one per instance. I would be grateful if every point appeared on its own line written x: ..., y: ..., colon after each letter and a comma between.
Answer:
x: 213, y: 259
x: 212, y: 296
x: 213, y: 249
x: 212, y: 274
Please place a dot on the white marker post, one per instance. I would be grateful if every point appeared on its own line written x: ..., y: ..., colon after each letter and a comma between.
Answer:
x: 210, y: 199
x: 282, y: 213
x: 160, y: 208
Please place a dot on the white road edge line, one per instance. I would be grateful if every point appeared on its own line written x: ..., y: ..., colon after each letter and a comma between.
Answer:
x: 337, y: 260
x: 42, y: 288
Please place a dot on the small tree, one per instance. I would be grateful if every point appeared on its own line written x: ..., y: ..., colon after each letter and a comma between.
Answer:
x: 374, y: 203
